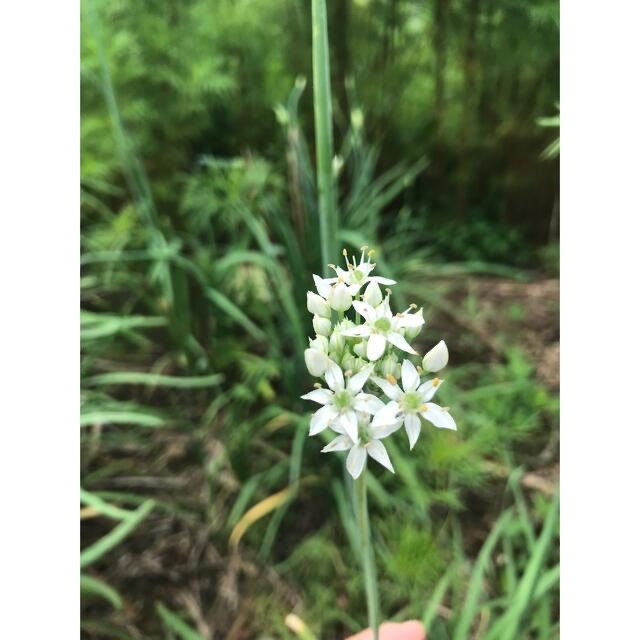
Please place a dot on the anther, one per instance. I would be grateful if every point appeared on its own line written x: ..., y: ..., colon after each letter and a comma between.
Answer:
x: 371, y: 253
x: 391, y: 379
x: 413, y: 306
x: 317, y: 385
x: 348, y: 374
x: 345, y: 252
x: 388, y: 291
x: 422, y: 408
x: 436, y: 382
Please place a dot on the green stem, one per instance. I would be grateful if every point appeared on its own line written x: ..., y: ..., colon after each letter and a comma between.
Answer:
x: 324, y: 134
x: 368, y: 561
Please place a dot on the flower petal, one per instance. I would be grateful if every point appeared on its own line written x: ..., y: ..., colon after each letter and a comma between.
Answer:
x: 356, y: 382
x: 323, y: 285
x: 438, y: 417
x: 376, y: 346
x: 382, y: 431
x: 412, y: 427
x: 321, y: 396
x: 341, y: 443
x: 368, y: 403
x: 365, y: 310
x: 321, y: 418
x: 388, y: 415
x: 349, y: 422
x: 334, y: 377
x: 363, y: 331
x: 410, y: 377
x: 407, y: 320
x: 397, y: 340
x: 437, y: 358
x: 381, y: 280
x: 393, y: 391
x: 378, y: 452
x: 356, y: 461
x: 429, y: 388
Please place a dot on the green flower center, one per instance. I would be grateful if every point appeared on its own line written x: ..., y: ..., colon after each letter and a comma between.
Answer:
x: 342, y: 400
x: 411, y: 401
x: 363, y: 434
x: 358, y: 275
x: 382, y: 324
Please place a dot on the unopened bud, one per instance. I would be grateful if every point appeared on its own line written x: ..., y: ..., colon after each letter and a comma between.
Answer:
x: 340, y: 298
x: 320, y: 343
x: 437, y: 358
x: 322, y: 326
x: 361, y: 349
x: 317, y: 362
x: 388, y: 366
x: 318, y: 305
x: 372, y: 294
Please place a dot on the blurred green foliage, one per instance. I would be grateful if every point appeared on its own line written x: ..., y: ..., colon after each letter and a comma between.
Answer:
x: 199, y: 237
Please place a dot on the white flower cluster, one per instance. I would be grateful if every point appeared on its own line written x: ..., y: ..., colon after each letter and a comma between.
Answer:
x: 351, y: 354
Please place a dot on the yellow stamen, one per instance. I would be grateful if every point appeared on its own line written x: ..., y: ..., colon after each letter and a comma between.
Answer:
x: 371, y: 253
x: 413, y: 306
x: 348, y: 374
x: 436, y: 382
x: 317, y: 385
x: 422, y: 408
x: 391, y: 379
x: 419, y: 369
x: 344, y: 252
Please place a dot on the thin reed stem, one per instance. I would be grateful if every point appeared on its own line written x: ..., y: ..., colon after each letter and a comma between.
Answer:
x: 368, y: 561
x: 327, y: 211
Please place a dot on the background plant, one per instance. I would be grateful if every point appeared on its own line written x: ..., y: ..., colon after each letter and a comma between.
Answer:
x: 199, y: 231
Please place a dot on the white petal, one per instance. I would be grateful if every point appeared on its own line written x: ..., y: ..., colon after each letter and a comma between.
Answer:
x: 323, y: 285
x: 376, y: 346
x: 367, y: 403
x: 321, y: 396
x: 393, y: 391
x: 412, y: 426
x: 439, y: 417
x: 377, y: 451
x: 406, y: 320
x: 380, y: 280
x: 363, y: 331
x: 355, y: 383
x: 410, y: 377
x: 397, y: 340
x: 379, y: 432
x: 349, y: 422
x: 356, y: 461
x: 388, y: 415
x: 364, y: 309
x: 428, y: 389
x: 437, y: 358
x: 334, y: 377
x: 341, y: 443
x: 321, y: 418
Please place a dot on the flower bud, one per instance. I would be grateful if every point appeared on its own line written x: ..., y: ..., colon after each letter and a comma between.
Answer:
x: 411, y: 332
x: 317, y: 362
x: 318, y: 305
x: 372, y: 294
x: 349, y: 362
x: 360, y: 349
x: 359, y: 365
x: 387, y: 366
x: 322, y: 326
x: 437, y: 358
x: 340, y: 298
x: 337, y: 341
x: 320, y: 343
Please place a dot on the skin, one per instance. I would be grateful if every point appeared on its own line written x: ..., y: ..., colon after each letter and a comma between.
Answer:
x: 411, y: 630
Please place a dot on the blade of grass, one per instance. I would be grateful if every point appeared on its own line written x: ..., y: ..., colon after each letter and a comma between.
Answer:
x: 94, y: 587
x: 116, y: 536
x: 176, y: 624
x: 155, y: 380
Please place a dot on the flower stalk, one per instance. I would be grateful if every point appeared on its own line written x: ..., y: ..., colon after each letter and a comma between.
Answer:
x: 368, y: 560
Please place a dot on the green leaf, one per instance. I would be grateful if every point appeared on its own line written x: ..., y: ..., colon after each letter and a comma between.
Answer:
x: 94, y: 587
x: 176, y: 624
x: 116, y: 536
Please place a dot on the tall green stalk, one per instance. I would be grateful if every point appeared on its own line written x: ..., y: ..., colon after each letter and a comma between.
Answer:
x: 327, y: 210
x: 368, y: 562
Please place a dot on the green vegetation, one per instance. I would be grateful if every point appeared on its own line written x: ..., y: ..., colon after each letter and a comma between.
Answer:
x: 206, y: 510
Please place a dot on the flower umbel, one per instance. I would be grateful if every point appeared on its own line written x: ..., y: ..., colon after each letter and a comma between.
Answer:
x: 356, y: 348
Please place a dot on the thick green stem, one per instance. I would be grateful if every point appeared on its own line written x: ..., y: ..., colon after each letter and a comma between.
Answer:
x: 324, y: 134
x: 368, y: 561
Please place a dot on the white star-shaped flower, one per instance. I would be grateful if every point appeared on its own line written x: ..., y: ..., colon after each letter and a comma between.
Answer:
x: 381, y: 326
x: 357, y: 275
x: 341, y: 402
x: 368, y: 443
x: 408, y: 404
